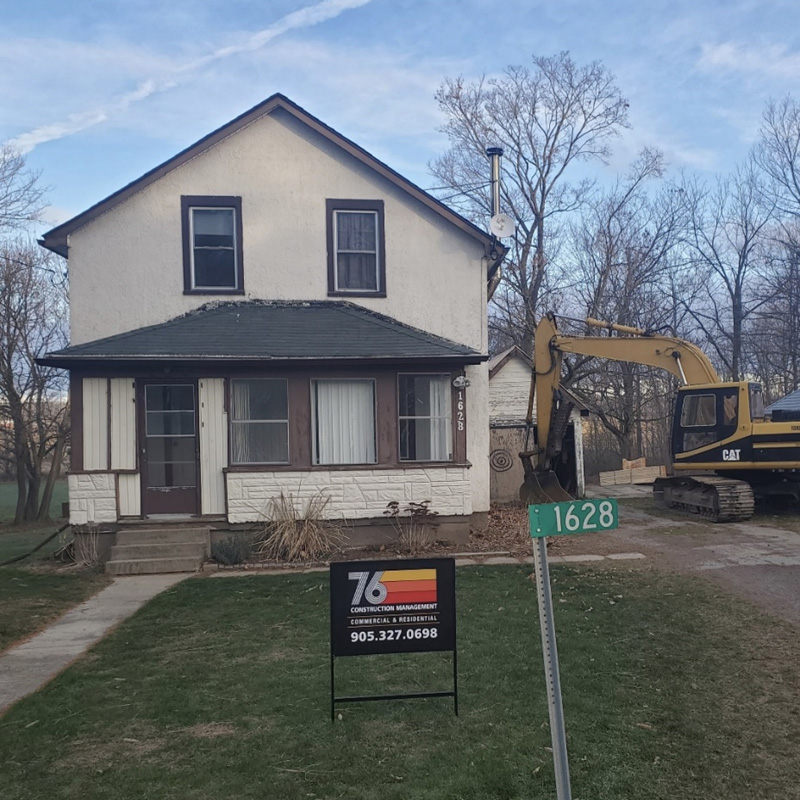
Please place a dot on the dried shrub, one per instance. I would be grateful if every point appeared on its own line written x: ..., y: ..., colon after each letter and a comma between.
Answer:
x: 296, y: 530
x: 85, y: 548
x: 235, y: 549
x: 415, y: 524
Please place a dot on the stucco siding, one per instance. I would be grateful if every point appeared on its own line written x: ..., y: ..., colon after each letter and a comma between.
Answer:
x: 123, y: 423
x: 95, y: 423
x: 213, y: 445
x: 283, y: 172
x: 352, y: 494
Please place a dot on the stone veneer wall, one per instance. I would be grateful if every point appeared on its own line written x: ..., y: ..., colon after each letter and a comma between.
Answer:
x: 354, y: 494
x: 92, y: 498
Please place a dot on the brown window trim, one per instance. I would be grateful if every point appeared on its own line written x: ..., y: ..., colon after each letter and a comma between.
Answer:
x: 355, y: 205
x: 457, y: 436
x: 231, y: 422
x: 211, y: 201
x: 401, y: 465
x: 375, y: 422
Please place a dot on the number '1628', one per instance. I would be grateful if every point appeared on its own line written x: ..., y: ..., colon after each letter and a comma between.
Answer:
x: 590, y: 517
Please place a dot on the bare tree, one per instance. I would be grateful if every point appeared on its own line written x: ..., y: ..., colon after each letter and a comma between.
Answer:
x: 778, y: 153
x: 546, y: 118
x: 20, y: 193
x: 33, y: 399
x: 730, y: 240
x: 622, y: 258
x: 775, y: 332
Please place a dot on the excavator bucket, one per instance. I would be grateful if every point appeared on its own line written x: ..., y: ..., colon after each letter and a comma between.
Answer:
x: 540, y: 486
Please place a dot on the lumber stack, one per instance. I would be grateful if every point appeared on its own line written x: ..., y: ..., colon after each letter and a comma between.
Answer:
x: 638, y: 474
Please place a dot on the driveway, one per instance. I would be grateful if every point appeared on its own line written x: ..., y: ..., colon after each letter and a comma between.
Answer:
x: 753, y: 560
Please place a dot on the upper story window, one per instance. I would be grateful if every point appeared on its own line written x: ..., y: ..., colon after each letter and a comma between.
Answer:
x: 356, y: 249
x: 212, y: 245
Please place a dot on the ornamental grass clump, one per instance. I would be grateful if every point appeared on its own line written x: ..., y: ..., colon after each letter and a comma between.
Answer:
x: 415, y: 524
x: 295, y: 530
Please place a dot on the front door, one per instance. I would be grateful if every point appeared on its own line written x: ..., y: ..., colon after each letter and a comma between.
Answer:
x: 169, y: 448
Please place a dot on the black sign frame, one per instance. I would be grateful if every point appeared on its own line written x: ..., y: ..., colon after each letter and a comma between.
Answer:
x: 392, y: 606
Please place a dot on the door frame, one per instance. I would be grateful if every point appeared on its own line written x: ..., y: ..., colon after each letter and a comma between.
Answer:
x: 141, y: 442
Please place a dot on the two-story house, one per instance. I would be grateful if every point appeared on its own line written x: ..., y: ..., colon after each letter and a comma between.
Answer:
x: 274, y: 309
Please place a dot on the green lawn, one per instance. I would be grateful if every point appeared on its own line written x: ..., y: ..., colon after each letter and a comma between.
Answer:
x: 16, y: 540
x: 8, y: 500
x: 33, y: 593
x: 219, y: 688
x: 29, y: 599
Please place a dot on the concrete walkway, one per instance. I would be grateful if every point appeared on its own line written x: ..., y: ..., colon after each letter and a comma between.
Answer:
x: 30, y: 665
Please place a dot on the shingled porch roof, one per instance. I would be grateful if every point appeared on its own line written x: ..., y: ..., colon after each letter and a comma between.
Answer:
x: 336, y: 332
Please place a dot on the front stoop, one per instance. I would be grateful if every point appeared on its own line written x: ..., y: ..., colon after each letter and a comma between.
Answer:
x: 156, y: 550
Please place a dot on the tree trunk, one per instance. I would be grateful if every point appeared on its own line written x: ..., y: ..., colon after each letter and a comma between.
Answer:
x: 55, y: 471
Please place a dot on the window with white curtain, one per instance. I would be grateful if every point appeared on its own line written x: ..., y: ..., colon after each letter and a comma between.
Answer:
x: 344, y: 421
x: 259, y: 421
x: 356, y: 245
x: 426, y: 431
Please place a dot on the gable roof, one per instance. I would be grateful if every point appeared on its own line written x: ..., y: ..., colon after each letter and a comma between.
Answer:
x: 284, y: 332
x: 56, y: 239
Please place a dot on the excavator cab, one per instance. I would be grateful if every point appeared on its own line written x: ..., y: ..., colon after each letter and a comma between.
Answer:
x: 712, y: 424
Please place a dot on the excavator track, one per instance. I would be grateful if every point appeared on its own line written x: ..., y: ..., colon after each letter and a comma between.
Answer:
x: 712, y: 496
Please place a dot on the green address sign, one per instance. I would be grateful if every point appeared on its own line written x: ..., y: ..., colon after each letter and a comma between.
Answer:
x: 580, y: 516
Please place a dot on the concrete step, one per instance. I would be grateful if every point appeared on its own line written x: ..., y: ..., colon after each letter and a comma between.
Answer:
x: 147, y: 566
x: 164, y: 536
x: 124, y: 552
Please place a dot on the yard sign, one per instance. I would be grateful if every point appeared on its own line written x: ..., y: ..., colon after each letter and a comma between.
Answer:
x: 399, y: 606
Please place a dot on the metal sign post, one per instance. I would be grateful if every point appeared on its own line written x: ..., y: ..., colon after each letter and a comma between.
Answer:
x: 548, y: 519
x: 550, y: 653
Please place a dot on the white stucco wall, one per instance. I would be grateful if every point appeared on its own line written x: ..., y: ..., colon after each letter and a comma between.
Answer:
x: 126, y: 266
x: 353, y: 494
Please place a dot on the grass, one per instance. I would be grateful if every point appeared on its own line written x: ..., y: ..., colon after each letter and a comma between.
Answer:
x: 8, y: 500
x: 29, y: 599
x: 33, y: 593
x: 219, y: 688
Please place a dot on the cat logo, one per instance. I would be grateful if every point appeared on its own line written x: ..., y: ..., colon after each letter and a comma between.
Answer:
x: 730, y: 455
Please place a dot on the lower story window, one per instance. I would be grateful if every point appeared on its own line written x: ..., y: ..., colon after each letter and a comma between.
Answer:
x: 344, y: 421
x: 424, y: 404
x: 259, y: 422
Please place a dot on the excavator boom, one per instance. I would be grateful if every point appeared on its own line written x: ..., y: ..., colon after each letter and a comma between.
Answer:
x: 721, y: 498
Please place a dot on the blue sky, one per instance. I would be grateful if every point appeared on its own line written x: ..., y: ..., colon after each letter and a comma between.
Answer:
x: 97, y: 92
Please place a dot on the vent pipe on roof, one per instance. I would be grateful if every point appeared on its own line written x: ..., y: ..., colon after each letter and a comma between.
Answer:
x: 495, y: 154
x: 498, y: 250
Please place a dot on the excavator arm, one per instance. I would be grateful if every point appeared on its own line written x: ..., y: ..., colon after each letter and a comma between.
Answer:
x: 683, y: 359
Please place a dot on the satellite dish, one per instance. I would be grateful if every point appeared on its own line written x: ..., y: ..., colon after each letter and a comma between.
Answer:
x: 502, y: 226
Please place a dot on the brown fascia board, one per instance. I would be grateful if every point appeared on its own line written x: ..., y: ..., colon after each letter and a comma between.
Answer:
x: 56, y: 239
x: 116, y: 363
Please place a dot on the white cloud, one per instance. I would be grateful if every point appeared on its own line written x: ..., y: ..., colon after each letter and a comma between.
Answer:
x: 79, y: 121
x: 767, y: 60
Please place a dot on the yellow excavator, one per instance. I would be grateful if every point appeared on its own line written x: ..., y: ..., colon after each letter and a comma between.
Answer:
x: 718, y: 428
